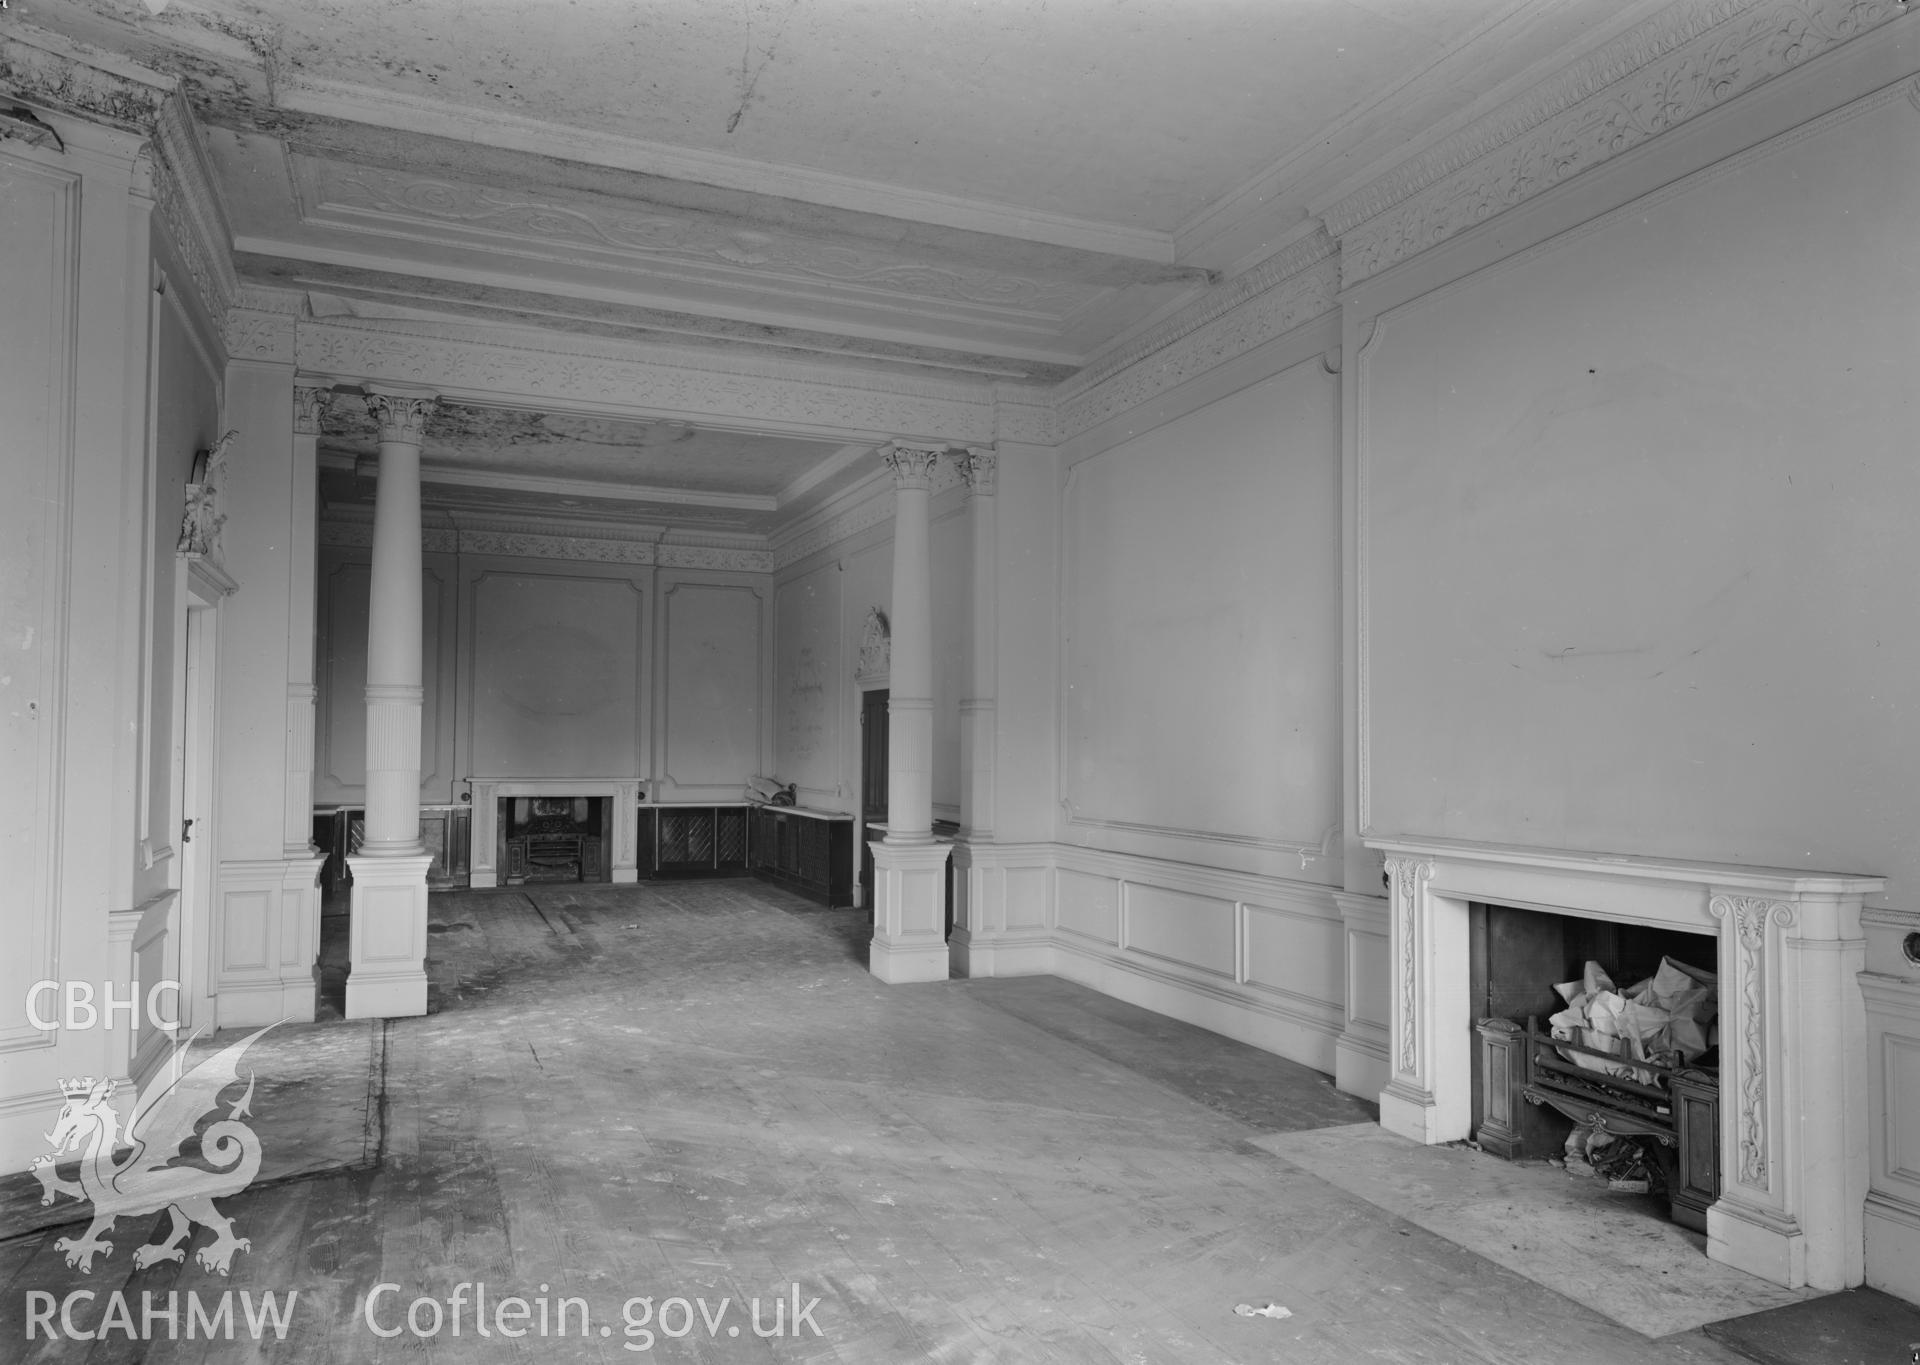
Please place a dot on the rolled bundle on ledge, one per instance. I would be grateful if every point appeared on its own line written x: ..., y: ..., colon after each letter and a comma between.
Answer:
x: 766, y: 791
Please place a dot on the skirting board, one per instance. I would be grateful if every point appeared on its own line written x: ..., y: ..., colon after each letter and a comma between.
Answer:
x: 1893, y: 1247
x: 1221, y: 1009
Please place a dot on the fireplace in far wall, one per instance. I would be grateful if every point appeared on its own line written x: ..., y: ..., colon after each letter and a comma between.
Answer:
x: 496, y: 803
x: 552, y: 839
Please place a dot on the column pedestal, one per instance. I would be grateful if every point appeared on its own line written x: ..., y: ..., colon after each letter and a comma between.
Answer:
x: 387, y: 940
x: 910, y: 912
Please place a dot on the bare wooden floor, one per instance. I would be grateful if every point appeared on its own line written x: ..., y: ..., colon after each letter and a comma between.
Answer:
x: 695, y: 1091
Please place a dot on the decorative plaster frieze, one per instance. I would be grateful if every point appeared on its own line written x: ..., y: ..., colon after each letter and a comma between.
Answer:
x: 352, y: 528
x: 1680, y: 63
x: 527, y: 546
x: 1025, y: 416
x: 1242, y: 314
x: 663, y: 380
x: 260, y: 336
x: 685, y: 237
x: 714, y: 557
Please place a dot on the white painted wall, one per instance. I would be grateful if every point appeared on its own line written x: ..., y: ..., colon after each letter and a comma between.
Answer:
x: 1638, y: 535
x: 712, y: 713
x: 1200, y: 629
x: 810, y: 687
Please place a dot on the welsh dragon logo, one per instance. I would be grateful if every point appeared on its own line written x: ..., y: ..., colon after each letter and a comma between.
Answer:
x: 134, y: 1174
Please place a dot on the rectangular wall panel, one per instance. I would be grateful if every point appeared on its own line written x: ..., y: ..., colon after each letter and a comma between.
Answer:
x: 1295, y: 955
x: 1026, y: 897
x: 810, y: 680
x: 711, y: 639
x: 1193, y: 931
x: 1200, y: 624
x: 1087, y: 905
x: 556, y: 675
x: 38, y: 209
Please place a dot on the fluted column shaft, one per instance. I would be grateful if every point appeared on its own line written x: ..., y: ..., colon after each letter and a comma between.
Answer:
x: 977, y: 718
x: 910, y: 681
x: 308, y: 404
x: 394, y: 692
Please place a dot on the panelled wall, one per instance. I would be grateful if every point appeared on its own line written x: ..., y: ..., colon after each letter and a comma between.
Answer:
x: 1199, y: 715
x: 544, y: 668
x: 112, y: 382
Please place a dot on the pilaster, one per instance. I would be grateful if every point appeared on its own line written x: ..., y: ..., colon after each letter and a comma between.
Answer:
x: 978, y: 894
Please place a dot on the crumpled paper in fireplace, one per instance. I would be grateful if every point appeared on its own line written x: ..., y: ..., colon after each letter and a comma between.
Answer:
x: 1671, y: 1018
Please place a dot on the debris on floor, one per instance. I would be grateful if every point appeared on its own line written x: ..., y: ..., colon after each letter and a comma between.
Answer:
x: 1272, y: 1310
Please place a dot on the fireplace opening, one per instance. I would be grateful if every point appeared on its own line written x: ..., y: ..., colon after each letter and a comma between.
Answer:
x: 553, y: 839
x: 1576, y: 1099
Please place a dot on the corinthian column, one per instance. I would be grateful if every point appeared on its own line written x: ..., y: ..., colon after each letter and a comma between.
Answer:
x: 388, y: 935
x: 909, y: 934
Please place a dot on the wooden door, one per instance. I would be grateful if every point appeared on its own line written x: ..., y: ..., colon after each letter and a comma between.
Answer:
x: 873, y: 781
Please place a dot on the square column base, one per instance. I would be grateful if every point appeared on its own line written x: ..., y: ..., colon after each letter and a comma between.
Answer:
x: 387, y: 936
x: 910, y: 912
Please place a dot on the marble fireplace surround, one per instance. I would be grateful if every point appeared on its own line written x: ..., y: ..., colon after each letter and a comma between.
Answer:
x: 625, y: 796
x: 1793, y: 1086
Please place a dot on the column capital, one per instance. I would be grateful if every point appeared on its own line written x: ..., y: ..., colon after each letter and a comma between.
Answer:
x: 977, y: 465
x: 912, y: 465
x: 401, y: 416
x: 308, y: 406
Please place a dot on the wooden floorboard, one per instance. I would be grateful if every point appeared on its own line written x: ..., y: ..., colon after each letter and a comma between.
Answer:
x: 695, y: 1090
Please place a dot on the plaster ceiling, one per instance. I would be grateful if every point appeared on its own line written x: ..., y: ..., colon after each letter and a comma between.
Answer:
x: 1003, y: 190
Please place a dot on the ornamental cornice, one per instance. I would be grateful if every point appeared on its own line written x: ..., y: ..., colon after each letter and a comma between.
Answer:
x: 1241, y: 326
x: 1682, y: 62
x: 1217, y: 302
x: 352, y: 528
x: 189, y: 206
x: 871, y: 512
x: 44, y: 69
